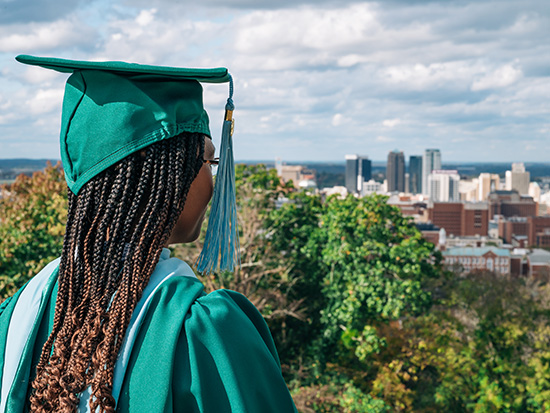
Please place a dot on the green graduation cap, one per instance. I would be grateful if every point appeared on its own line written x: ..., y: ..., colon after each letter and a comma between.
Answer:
x: 112, y: 109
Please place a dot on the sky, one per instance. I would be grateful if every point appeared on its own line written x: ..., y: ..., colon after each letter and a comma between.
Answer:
x: 314, y: 79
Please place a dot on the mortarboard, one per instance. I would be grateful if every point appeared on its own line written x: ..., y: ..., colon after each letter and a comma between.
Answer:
x: 112, y: 109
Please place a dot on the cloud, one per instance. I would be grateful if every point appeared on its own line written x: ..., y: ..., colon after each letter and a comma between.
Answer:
x: 499, y: 78
x: 246, y: 4
x: 384, y: 139
x: 413, y: 73
x: 24, y: 11
x: 390, y: 123
x: 44, y: 101
x: 31, y: 37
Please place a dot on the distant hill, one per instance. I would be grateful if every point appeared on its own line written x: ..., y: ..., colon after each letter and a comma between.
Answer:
x: 22, y: 163
x: 11, y: 168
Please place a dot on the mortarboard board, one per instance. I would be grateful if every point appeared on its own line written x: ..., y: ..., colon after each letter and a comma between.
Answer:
x: 112, y: 109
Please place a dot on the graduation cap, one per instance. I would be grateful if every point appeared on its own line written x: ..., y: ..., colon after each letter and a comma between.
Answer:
x: 113, y: 109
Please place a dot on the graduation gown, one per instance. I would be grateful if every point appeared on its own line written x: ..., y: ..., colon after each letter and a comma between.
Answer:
x: 184, y: 350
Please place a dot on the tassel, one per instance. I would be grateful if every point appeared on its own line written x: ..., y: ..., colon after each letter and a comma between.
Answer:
x: 222, y: 236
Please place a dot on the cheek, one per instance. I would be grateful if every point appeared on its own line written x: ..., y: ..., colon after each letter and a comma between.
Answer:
x: 200, y: 193
x: 202, y: 188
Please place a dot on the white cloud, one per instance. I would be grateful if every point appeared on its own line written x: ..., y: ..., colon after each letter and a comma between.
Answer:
x: 45, y: 101
x: 146, y: 17
x: 30, y: 37
x: 499, y: 78
x: 410, y: 73
x: 442, y: 74
x: 351, y: 60
x: 337, y: 119
x: 391, y: 123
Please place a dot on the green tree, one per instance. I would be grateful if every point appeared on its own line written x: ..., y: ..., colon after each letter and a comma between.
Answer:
x: 33, y: 213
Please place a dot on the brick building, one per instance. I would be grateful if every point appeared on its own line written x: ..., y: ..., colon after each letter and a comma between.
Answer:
x: 513, y: 226
x: 467, y: 260
x: 511, y: 204
x: 536, y: 229
x: 539, y: 231
x: 538, y: 262
x: 459, y: 218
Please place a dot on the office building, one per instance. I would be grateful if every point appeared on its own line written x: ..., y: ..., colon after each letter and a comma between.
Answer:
x: 487, y: 183
x: 371, y: 187
x: 415, y: 174
x: 358, y: 170
x: 443, y: 186
x: 518, y: 179
x: 299, y: 175
x: 459, y: 218
x: 395, y: 171
x: 431, y: 161
x: 536, y: 230
x: 468, y: 190
x: 511, y: 204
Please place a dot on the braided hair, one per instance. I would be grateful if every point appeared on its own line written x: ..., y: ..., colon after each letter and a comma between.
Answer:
x: 116, y: 229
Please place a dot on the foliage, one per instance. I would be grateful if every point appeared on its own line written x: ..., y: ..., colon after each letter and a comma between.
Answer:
x: 363, y: 316
x: 32, y: 224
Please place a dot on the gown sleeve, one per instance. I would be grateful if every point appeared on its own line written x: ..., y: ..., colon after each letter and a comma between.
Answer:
x: 226, y: 360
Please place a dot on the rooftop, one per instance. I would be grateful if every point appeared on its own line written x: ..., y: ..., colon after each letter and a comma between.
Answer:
x: 476, y: 252
x: 539, y: 256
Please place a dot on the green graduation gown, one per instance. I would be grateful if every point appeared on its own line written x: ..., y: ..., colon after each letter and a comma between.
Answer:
x: 184, y: 351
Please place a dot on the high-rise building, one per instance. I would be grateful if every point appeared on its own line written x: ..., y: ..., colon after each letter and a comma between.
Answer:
x: 358, y: 170
x: 395, y: 171
x: 415, y: 174
x: 518, y: 179
x: 365, y: 169
x: 431, y: 161
x: 443, y: 186
x: 487, y: 183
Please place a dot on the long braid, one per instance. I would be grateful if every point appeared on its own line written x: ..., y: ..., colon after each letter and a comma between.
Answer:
x: 116, y: 229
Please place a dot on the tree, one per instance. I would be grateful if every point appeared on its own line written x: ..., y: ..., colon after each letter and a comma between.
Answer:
x: 32, y: 224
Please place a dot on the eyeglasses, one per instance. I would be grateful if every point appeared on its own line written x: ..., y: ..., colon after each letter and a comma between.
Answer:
x: 213, y: 163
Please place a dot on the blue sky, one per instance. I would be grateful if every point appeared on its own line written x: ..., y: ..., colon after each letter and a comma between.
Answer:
x: 314, y: 79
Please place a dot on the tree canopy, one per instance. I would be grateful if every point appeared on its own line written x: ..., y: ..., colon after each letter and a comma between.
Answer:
x: 363, y: 314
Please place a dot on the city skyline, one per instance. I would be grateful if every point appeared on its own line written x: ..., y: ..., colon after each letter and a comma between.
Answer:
x: 362, y: 77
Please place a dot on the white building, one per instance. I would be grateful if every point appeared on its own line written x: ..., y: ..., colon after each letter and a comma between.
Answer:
x: 487, y: 183
x: 468, y: 190
x: 518, y: 179
x: 431, y: 161
x: 372, y: 187
x: 534, y: 191
x: 443, y: 186
x: 341, y: 191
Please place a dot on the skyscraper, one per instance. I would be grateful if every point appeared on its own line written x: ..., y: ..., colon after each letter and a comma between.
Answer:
x: 395, y: 171
x: 358, y: 170
x: 518, y: 179
x: 415, y: 174
x: 431, y: 161
x: 352, y: 170
x: 365, y: 169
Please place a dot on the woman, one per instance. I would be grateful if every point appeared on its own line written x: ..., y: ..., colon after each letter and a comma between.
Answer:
x: 115, y: 323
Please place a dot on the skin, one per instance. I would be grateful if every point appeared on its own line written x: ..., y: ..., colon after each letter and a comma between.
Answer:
x: 188, y: 226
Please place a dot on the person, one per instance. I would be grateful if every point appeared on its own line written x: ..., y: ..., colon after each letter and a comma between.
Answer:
x: 115, y: 323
